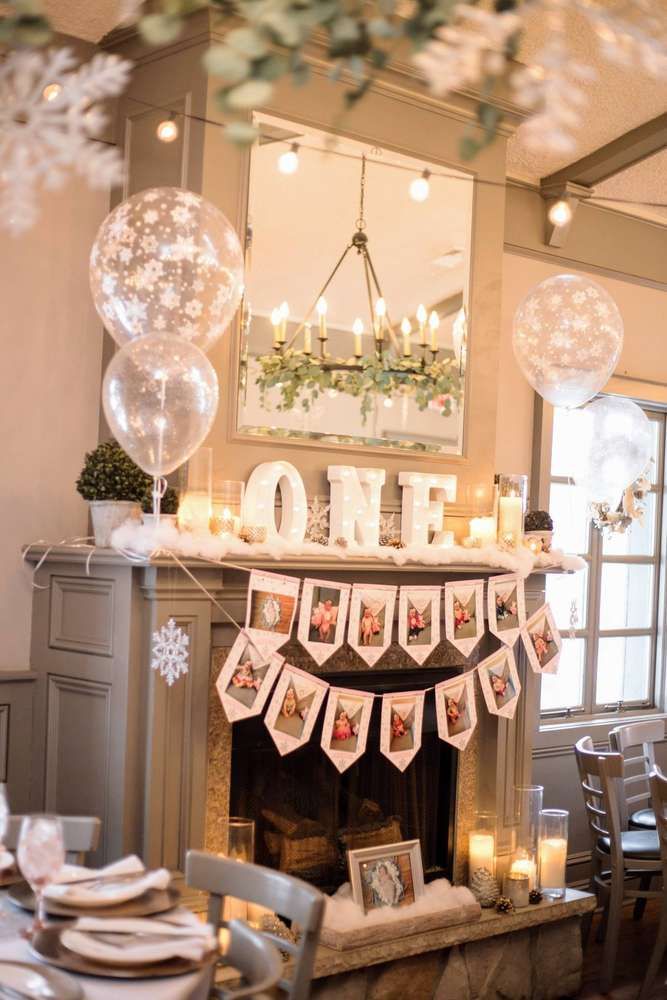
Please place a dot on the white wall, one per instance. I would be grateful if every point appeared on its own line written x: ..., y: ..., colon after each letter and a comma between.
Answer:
x: 49, y: 403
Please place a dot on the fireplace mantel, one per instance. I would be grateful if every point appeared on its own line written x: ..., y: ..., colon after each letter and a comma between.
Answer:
x: 117, y: 742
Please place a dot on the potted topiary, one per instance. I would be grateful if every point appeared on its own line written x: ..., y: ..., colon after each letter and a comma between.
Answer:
x: 114, y: 487
x: 538, y: 530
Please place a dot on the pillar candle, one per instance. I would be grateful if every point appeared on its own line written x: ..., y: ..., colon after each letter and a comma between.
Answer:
x: 407, y: 349
x: 483, y: 530
x: 510, y: 517
x: 481, y: 852
x: 553, y: 859
x: 525, y: 866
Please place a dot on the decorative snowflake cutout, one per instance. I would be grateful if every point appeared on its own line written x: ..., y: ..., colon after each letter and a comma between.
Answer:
x: 388, y: 524
x: 49, y: 125
x: 317, y: 524
x: 170, y: 652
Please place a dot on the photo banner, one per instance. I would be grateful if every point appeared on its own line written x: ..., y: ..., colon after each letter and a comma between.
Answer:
x: 345, y: 728
x: 500, y: 682
x: 419, y: 621
x: 323, y: 617
x: 246, y: 679
x: 371, y: 620
x: 293, y: 709
x: 542, y: 641
x: 456, y: 710
x: 271, y: 607
x: 401, y: 726
x: 506, y: 605
x: 464, y: 614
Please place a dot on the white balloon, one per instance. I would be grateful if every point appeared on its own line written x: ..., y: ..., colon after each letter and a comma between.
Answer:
x: 160, y: 395
x: 615, y: 444
x: 166, y: 259
x: 567, y: 338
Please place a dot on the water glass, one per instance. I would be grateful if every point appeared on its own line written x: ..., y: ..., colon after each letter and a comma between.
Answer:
x: 40, y: 855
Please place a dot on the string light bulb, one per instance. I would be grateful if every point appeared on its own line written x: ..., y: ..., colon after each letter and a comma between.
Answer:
x: 420, y: 187
x: 288, y: 162
x: 560, y: 213
x: 167, y: 130
x: 51, y: 91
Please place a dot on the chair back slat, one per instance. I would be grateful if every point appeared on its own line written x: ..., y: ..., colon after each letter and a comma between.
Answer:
x: 286, y: 896
x: 601, y: 775
x: 255, y: 958
x: 80, y: 833
x: 637, y: 736
x: 658, y: 783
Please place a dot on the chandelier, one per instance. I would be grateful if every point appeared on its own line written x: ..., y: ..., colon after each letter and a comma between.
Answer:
x: 428, y: 374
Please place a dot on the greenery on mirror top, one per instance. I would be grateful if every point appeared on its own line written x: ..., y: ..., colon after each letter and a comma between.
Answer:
x: 110, y: 474
x: 303, y: 378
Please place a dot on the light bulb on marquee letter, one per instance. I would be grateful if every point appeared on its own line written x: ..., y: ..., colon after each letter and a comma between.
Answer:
x: 260, y: 498
x: 355, y: 503
x: 419, y: 512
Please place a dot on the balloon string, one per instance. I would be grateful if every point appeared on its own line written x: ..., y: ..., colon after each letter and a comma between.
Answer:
x: 78, y: 542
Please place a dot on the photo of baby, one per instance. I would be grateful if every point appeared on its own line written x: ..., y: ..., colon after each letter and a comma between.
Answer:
x: 294, y: 710
x: 457, y: 715
x: 544, y: 643
x: 501, y: 684
x: 346, y: 724
x: 271, y: 612
x: 465, y: 615
x: 419, y: 624
x: 507, y: 609
x: 324, y: 614
x: 387, y: 882
x: 247, y: 677
x: 371, y: 623
x: 401, y: 722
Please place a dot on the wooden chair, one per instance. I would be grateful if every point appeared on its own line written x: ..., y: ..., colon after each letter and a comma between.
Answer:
x: 638, y: 736
x: 286, y: 896
x: 617, y: 854
x: 254, y: 958
x: 658, y: 785
x: 81, y: 835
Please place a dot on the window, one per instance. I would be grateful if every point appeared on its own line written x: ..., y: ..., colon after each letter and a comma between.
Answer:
x: 610, y: 663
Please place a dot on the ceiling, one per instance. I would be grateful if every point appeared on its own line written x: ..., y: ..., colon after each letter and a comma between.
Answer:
x: 620, y: 99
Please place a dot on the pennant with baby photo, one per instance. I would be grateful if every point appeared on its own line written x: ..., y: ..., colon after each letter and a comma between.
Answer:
x: 371, y: 620
x: 323, y: 617
x: 271, y: 609
x: 542, y: 641
x: 401, y: 726
x: 294, y: 707
x: 419, y: 620
x: 246, y: 679
x: 506, y: 607
x: 456, y: 710
x: 345, y: 727
x: 500, y: 682
x: 464, y: 614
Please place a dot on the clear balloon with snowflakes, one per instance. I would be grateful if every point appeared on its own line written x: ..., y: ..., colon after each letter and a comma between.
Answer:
x: 567, y: 338
x: 167, y: 260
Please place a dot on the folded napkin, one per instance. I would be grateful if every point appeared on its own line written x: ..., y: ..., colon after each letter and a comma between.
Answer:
x: 140, y: 941
x: 116, y: 883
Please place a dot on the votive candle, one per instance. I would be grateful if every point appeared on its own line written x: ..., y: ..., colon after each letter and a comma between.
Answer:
x: 527, y: 867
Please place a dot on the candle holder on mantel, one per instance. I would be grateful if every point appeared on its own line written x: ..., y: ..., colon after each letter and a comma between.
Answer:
x: 553, y: 852
x: 511, y: 499
x: 240, y: 847
x: 194, y: 510
x: 525, y: 835
x: 227, y: 506
x: 482, y: 844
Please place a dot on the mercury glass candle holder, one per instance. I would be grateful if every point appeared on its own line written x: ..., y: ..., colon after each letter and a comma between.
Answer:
x: 512, y: 500
x: 525, y: 834
x: 482, y: 844
x: 517, y: 888
x: 553, y: 852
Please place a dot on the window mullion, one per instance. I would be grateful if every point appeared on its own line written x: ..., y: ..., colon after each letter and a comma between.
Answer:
x: 595, y: 583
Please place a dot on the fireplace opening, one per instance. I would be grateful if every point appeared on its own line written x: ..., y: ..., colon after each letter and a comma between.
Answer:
x: 308, y: 815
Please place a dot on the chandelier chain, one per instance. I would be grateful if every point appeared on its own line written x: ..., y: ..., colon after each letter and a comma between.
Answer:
x: 361, y: 221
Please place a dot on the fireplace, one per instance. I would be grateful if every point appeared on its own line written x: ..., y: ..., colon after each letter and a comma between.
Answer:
x: 307, y: 814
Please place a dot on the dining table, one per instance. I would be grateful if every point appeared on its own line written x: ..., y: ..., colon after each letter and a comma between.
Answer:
x: 15, y: 948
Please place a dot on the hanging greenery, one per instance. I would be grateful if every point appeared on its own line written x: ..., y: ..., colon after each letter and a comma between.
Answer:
x: 302, y: 378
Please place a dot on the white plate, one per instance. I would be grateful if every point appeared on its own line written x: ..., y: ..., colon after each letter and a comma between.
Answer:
x: 106, y: 893
x: 132, y: 949
x: 37, y: 983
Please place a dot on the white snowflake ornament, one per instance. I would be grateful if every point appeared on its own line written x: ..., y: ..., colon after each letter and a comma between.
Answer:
x: 49, y: 126
x: 317, y: 524
x: 170, y: 653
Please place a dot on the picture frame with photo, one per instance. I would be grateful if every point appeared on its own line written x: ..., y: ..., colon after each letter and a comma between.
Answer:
x: 345, y: 728
x: 500, y: 682
x: 271, y: 608
x: 419, y: 621
x: 401, y: 727
x: 506, y: 606
x: 323, y: 617
x: 542, y: 641
x: 456, y: 710
x: 292, y: 712
x: 371, y: 620
x: 388, y: 875
x: 247, y: 676
x: 464, y: 614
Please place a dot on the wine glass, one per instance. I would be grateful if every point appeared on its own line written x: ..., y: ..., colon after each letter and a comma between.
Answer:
x: 40, y: 855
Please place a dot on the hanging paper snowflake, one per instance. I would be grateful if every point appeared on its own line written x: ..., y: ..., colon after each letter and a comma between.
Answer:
x: 170, y: 652
x: 49, y: 124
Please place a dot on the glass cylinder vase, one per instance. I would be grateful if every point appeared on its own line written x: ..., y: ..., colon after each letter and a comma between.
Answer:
x: 482, y: 844
x: 227, y: 506
x: 194, y: 510
x: 553, y: 852
x: 240, y: 839
x: 512, y: 499
x: 525, y: 835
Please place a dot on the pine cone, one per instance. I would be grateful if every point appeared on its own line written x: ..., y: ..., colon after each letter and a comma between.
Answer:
x: 341, y: 541
x: 396, y: 543
x: 504, y: 905
x: 484, y: 887
x: 318, y: 539
x: 534, y: 896
x: 386, y: 539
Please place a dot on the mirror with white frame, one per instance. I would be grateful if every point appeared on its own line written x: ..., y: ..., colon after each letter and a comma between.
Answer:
x: 416, y: 261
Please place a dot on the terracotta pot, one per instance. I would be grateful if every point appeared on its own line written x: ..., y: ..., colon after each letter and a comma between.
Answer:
x: 107, y: 515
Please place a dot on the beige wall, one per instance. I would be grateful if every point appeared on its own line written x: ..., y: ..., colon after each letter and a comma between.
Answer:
x: 49, y: 404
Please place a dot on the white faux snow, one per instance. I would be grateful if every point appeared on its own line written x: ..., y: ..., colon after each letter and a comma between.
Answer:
x: 342, y: 914
x: 142, y: 540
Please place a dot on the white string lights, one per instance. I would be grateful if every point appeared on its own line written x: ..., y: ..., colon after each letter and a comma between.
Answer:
x: 420, y: 187
x: 167, y: 130
x: 288, y: 162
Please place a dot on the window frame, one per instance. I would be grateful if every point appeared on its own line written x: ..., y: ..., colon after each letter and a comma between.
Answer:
x: 595, y: 558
